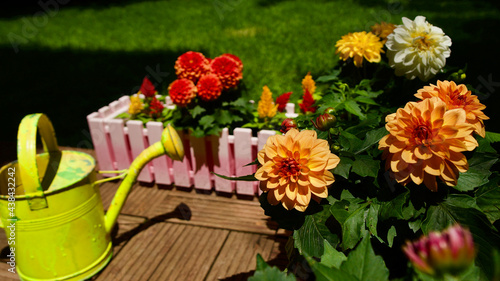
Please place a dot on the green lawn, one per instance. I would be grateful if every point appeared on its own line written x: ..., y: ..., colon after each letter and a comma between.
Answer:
x: 72, y: 61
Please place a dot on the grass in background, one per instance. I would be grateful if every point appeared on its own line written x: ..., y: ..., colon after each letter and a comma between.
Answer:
x: 84, y: 56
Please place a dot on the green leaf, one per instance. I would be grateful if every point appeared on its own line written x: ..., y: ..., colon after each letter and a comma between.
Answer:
x: 325, y: 273
x: 364, y: 264
x: 372, y: 137
x: 350, y: 142
x: 372, y: 219
x: 264, y: 272
x: 364, y: 99
x: 343, y: 167
x: 394, y: 207
x: 261, y: 263
x: 240, y: 178
x: 365, y: 165
x: 390, y: 235
x: 492, y: 137
x: 353, y: 107
x: 197, y: 110
x: 478, y: 173
x: 309, y: 239
x: 350, y: 213
x: 332, y: 257
x: 206, y: 121
x: 224, y: 117
x: 488, y: 199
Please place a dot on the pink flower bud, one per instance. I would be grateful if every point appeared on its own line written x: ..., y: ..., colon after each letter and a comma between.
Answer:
x: 448, y: 252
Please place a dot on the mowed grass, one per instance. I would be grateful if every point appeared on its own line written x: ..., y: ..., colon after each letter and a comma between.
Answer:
x: 72, y: 60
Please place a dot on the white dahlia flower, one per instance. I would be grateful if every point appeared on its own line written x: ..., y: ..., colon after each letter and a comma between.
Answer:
x: 417, y: 49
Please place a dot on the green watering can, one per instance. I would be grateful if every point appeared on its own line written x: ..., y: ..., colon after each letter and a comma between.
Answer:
x: 51, y: 208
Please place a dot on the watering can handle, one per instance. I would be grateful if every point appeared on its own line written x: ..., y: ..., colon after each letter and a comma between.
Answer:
x: 26, y: 154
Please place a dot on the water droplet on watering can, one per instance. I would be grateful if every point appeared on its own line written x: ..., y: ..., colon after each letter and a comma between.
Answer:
x: 93, y: 239
x: 32, y: 257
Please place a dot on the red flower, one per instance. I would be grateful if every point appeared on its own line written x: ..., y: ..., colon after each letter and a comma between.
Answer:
x: 227, y: 70
x: 182, y: 91
x: 236, y: 59
x: 209, y: 87
x: 307, y: 103
x: 155, y: 108
x: 282, y: 101
x: 147, y: 88
x: 191, y: 65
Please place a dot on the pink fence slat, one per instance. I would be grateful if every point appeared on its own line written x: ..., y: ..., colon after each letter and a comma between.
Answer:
x: 124, y: 101
x: 115, y: 106
x: 243, y: 156
x: 120, y: 145
x: 161, y: 167
x: 102, y: 143
x: 199, y: 163
x: 222, y: 156
x: 105, y: 111
x: 137, y: 144
x: 182, y: 175
x: 262, y: 137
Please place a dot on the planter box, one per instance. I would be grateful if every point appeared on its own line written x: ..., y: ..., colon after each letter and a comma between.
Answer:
x: 117, y: 143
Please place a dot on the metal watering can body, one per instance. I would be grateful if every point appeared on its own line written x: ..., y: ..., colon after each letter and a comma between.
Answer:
x: 54, y: 221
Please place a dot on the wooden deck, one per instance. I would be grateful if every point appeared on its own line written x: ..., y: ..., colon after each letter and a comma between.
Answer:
x: 165, y: 233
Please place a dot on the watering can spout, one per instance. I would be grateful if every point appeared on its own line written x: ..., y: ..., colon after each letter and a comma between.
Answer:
x: 170, y: 145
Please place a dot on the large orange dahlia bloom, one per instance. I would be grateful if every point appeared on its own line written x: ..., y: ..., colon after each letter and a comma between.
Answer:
x: 295, y: 168
x: 425, y: 140
x: 458, y: 97
x: 182, y: 91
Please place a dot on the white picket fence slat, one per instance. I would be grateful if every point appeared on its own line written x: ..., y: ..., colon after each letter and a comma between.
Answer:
x: 117, y: 143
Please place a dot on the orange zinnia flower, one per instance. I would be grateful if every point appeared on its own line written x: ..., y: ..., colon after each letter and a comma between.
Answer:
x: 425, y: 140
x: 295, y: 168
x: 458, y: 97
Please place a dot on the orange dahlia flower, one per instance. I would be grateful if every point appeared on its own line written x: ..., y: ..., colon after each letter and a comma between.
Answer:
x: 182, y: 91
x: 383, y: 30
x: 295, y: 168
x: 425, y: 140
x: 209, y: 87
x: 458, y: 97
x: 191, y: 65
x: 228, y: 71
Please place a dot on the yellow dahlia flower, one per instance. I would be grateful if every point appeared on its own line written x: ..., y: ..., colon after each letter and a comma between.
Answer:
x: 417, y: 49
x: 425, y: 140
x: 458, y: 97
x: 136, y: 105
x: 266, y: 107
x: 308, y: 84
x: 359, y: 45
x: 382, y: 30
x: 295, y: 168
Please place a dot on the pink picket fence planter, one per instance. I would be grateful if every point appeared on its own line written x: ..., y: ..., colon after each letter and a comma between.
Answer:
x: 117, y: 143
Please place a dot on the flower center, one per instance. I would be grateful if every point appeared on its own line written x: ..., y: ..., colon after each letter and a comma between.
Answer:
x: 289, y: 167
x: 422, y: 134
x: 422, y: 42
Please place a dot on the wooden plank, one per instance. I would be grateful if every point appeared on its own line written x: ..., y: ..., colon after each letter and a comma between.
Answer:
x: 161, y: 167
x: 222, y: 156
x: 142, y: 254
x: 199, y: 163
x: 237, y: 258
x: 243, y: 156
x: 212, y: 211
x: 121, y: 149
x: 190, y: 259
x: 138, y: 143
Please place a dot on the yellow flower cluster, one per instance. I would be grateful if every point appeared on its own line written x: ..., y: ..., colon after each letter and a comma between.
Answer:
x: 136, y: 105
x: 266, y: 107
x: 359, y: 45
x: 308, y: 83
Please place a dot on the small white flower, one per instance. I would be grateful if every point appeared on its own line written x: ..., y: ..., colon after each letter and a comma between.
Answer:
x: 417, y: 49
